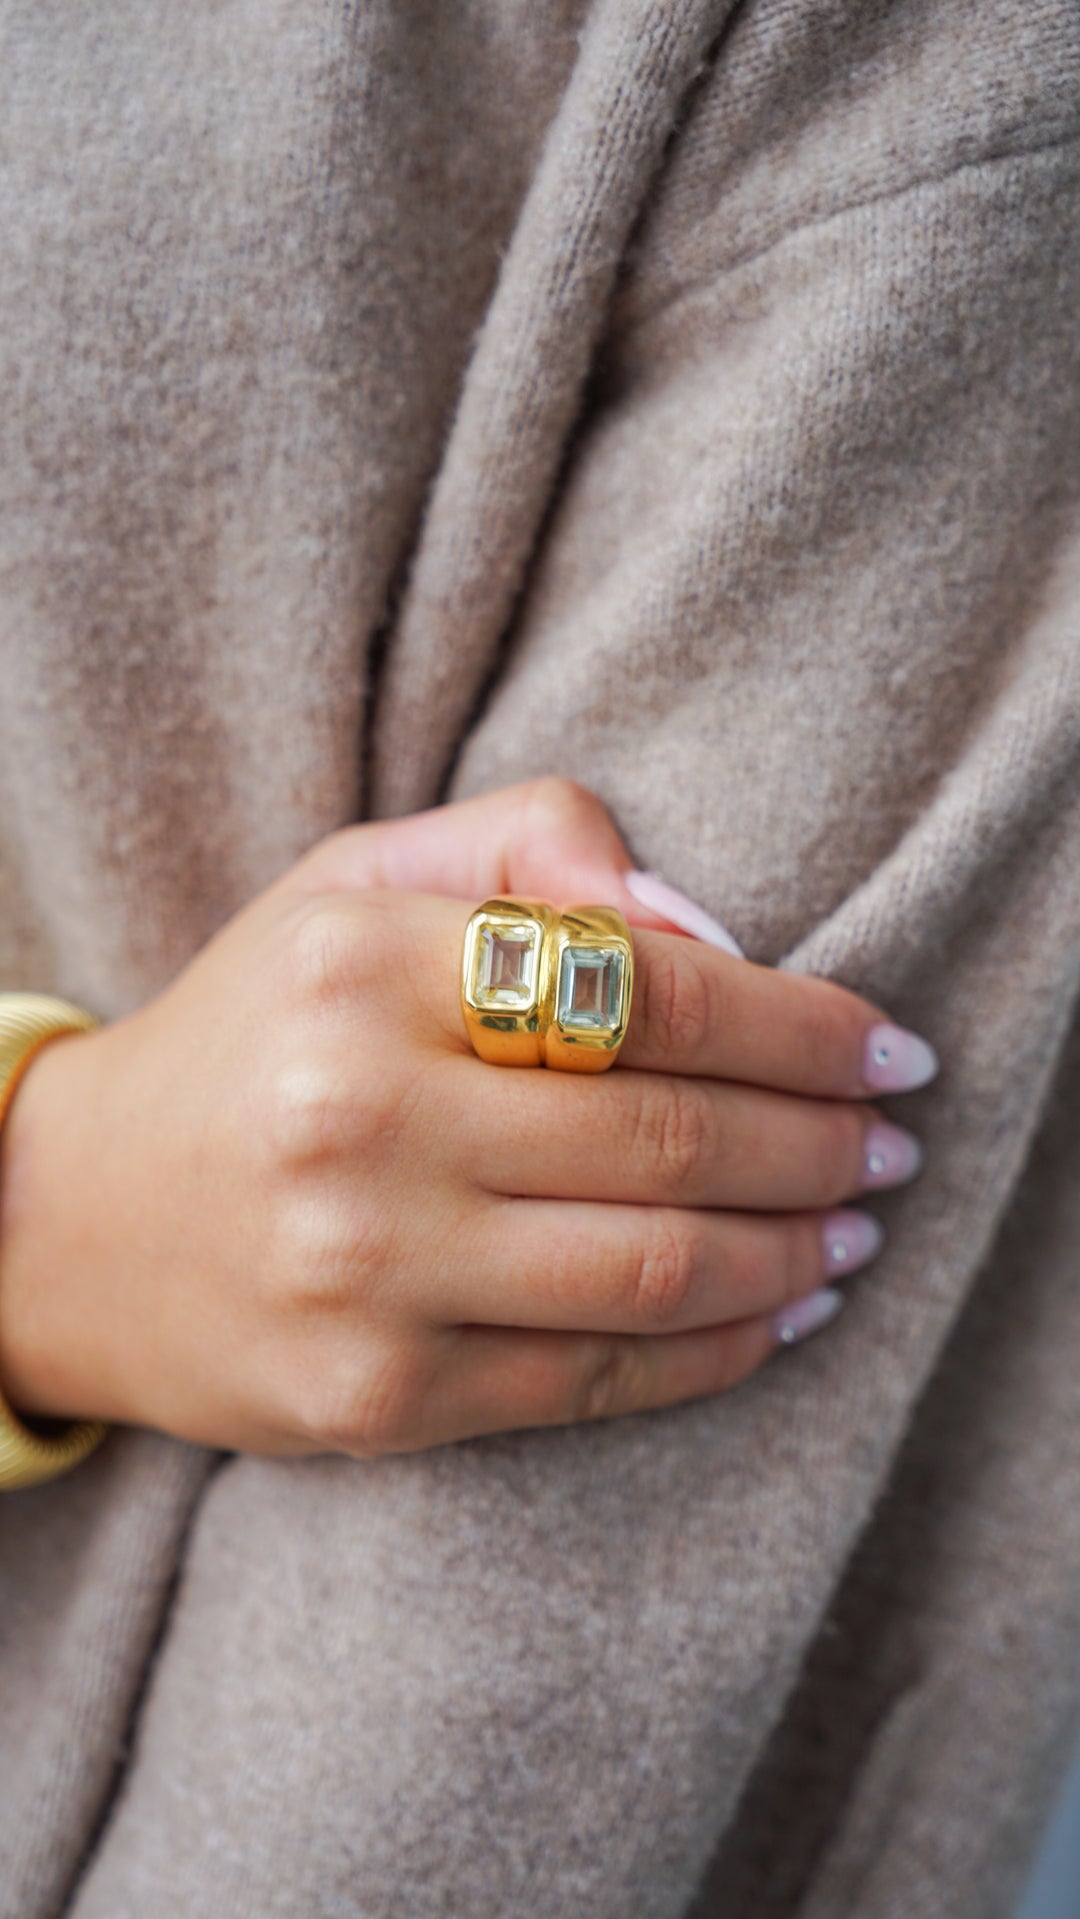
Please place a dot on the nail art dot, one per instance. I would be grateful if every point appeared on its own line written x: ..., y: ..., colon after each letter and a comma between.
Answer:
x: 838, y: 1249
x: 787, y: 1335
x: 876, y: 1163
x: 881, y: 1055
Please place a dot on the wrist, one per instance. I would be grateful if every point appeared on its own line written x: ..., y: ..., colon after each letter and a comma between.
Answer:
x: 43, y: 1181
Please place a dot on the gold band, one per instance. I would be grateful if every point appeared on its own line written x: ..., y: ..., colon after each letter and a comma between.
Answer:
x: 543, y: 988
x: 28, y: 1021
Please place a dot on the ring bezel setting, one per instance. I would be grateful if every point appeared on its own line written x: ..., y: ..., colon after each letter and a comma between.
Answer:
x: 504, y: 983
x: 543, y: 988
x: 594, y: 982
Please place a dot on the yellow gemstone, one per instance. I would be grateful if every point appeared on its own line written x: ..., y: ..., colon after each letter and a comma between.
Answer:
x: 506, y: 972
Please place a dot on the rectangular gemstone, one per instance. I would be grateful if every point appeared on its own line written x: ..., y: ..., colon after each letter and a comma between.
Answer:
x: 590, y: 987
x: 506, y: 973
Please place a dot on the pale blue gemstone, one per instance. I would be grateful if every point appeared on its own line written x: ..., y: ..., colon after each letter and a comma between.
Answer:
x: 590, y: 988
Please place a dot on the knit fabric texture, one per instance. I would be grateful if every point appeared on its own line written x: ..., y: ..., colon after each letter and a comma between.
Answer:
x: 397, y: 401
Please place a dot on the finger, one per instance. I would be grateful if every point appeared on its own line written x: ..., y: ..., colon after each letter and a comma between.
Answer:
x: 642, y: 1270
x: 656, y: 1139
x: 694, y: 1012
x: 677, y: 909
x: 698, y: 1011
x: 546, y: 838
x: 702, y: 1013
x: 497, y: 1380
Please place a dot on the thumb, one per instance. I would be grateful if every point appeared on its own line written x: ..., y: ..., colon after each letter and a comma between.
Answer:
x: 548, y: 838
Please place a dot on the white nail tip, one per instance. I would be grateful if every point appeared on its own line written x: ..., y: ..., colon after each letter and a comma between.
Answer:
x: 849, y: 1239
x: 666, y: 900
x: 892, y: 1154
x: 924, y: 1060
x: 898, y: 1060
x: 807, y: 1315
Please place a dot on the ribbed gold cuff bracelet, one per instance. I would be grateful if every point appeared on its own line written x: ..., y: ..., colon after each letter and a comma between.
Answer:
x: 28, y: 1021
x: 547, y: 988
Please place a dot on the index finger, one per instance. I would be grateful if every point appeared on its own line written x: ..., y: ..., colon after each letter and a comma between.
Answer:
x: 698, y: 1011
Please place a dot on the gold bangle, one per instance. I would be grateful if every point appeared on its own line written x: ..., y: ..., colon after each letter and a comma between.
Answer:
x: 28, y: 1021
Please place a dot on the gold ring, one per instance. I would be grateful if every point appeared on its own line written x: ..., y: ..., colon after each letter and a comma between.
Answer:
x: 544, y: 988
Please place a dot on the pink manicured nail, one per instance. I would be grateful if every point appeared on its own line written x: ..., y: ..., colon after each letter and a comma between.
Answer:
x: 848, y: 1239
x: 896, y: 1060
x: 683, y: 912
x: 805, y: 1315
x: 890, y: 1155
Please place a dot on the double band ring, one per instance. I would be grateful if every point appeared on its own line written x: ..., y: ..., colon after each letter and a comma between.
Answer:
x: 544, y: 988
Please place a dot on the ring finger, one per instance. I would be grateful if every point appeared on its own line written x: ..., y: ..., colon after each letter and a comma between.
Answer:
x: 576, y: 1267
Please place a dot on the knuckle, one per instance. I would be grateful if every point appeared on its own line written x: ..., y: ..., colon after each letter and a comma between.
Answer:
x: 329, y: 950
x: 676, y: 1002
x: 388, y: 1413
x: 330, y: 1256
x: 370, y: 1407
x: 612, y: 1380
x: 840, y: 1138
x: 553, y: 801
x: 303, y: 1113
x: 663, y: 1274
x: 676, y: 1131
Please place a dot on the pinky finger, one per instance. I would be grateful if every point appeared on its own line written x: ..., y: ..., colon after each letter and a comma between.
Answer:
x: 499, y: 1379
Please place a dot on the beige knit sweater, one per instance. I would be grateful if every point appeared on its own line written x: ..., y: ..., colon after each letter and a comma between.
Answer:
x: 399, y: 399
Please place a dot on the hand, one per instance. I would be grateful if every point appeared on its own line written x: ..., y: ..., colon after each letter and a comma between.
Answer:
x: 284, y: 1208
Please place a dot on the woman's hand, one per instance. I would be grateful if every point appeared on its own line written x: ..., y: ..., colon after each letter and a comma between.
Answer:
x: 284, y: 1208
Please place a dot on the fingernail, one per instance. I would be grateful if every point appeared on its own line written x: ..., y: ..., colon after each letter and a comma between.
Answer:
x: 896, y: 1059
x: 683, y: 912
x: 805, y: 1315
x: 890, y: 1154
x: 848, y: 1239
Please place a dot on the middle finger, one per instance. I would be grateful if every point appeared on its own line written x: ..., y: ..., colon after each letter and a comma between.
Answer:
x: 666, y: 1140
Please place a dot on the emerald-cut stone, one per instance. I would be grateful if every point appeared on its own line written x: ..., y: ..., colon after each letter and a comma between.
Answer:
x: 590, y: 988
x: 506, y: 973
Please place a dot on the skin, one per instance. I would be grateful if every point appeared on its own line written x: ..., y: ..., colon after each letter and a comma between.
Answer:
x: 284, y: 1208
